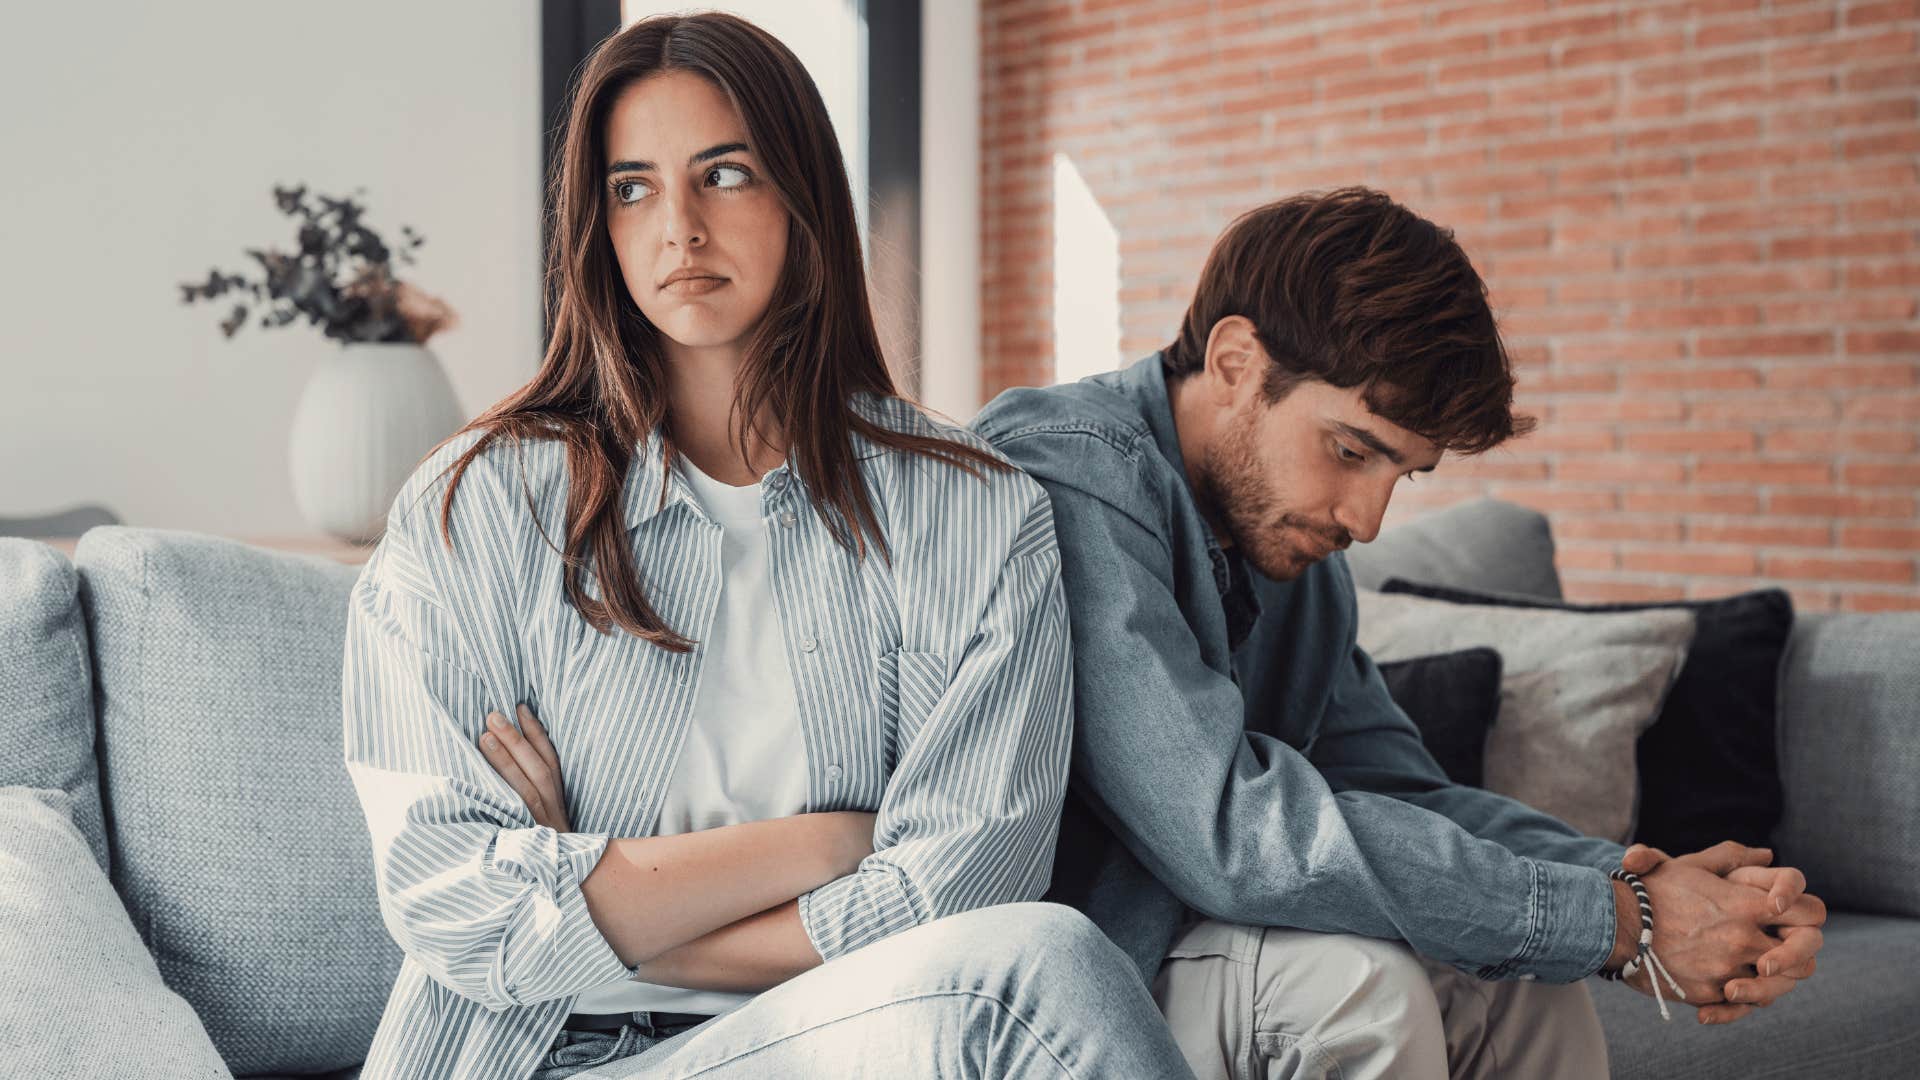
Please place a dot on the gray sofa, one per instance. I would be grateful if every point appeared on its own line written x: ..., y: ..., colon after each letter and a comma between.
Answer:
x: 170, y: 724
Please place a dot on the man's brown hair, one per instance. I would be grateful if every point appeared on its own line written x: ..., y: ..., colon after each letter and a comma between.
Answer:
x: 1349, y: 287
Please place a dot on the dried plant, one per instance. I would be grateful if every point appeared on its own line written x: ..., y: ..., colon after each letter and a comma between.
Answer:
x: 341, y: 278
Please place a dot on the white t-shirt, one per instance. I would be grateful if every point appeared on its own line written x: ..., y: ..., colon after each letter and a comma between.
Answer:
x: 743, y: 759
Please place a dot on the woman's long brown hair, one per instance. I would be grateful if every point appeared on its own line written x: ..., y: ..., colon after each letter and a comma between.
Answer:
x: 602, y: 386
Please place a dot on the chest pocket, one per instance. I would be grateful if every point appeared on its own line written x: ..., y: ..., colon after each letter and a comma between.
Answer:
x: 911, y: 683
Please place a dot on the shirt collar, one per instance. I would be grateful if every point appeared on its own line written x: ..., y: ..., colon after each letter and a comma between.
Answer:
x: 1146, y: 380
x: 640, y: 495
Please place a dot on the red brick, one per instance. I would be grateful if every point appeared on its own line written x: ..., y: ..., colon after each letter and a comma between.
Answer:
x: 1893, y: 408
x: 1890, y: 11
x: 1762, y: 408
x: 1421, y: 50
x: 1850, y: 440
x: 1679, y: 560
x: 1752, y: 535
x: 1577, y: 556
x: 1887, y: 142
x: 1613, y: 527
x: 1892, y: 571
x: 1774, y: 279
x: 1865, y: 79
x: 1688, y: 500
x: 1688, y: 441
x: 1829, y: 245
x: 1831, y: 310
x: 1725, y: 251
x: 1619, y: 410
x: 1763, y: 345
x: 1871, y: 602
x: 1693, y: 379
x: 1881, y: 538
x: 1905, y: 475
x: 1840, y: 506
x: 1842, y: 51
x: 1581, y: 590
x: 1883, y: 341
x: 1764, y: 473
x: 1836, y: 376
x: 1623, y: 471
x: 1549, y: 499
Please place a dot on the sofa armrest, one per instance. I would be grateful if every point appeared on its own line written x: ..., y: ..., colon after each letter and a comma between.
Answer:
x: 1849, y: 740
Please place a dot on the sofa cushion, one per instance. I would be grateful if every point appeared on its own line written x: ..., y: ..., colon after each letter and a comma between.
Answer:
x: 72, y: 957
x: 1708, y: 770
x: 1486, y: 545
x: 1850, y: 759
x: 1453, y: 698
x: 239, y: 844
x: 1854, y: 1018
x: 46, y: 685
x: 1576, y: 691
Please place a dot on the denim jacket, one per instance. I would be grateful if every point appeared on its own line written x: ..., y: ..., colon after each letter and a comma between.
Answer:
x: 1235, y: 752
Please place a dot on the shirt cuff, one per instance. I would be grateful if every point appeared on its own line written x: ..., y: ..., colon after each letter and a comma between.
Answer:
x: 551, y: 947
x: 1571, y: 926
x: 858, y: 909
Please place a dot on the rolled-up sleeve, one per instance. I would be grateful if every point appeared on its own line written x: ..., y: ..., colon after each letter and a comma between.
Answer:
x: 488, y: 903
x: 970, y: 816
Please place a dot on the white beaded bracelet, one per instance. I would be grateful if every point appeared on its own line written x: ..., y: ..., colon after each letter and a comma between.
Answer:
x: 1646, y: 957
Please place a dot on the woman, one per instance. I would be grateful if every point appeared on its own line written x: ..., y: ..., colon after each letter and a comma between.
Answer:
x: 800, y: 654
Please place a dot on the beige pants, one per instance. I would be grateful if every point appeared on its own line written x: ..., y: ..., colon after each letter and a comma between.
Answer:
x: 1247, y: 1003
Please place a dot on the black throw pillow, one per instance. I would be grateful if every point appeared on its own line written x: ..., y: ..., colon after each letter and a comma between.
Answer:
x: 1453, y: 698
x: 1708, y: 768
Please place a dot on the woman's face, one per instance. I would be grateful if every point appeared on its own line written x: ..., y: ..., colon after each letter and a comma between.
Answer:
x: 700, y: 232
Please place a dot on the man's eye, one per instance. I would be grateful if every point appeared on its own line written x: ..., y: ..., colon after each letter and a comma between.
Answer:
x: 1348, y: 455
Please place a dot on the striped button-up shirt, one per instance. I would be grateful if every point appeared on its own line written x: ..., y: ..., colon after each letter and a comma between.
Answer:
x: 934, y: 690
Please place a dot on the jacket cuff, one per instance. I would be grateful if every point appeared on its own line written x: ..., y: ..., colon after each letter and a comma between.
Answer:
x: 1570, y: 926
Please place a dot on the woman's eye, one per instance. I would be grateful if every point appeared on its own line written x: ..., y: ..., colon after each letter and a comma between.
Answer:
x: 727, y: 176
x: 631, y: 191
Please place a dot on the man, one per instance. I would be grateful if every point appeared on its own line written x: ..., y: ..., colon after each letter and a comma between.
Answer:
x: 1253, y: 819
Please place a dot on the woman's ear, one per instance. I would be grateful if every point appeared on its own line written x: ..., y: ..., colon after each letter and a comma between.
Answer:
x: 1234, y: 356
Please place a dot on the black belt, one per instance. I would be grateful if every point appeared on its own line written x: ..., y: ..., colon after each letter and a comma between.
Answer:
x: 657, y: 1021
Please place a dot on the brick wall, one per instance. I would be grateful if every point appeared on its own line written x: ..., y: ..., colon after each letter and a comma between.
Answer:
x: 1698, y: 222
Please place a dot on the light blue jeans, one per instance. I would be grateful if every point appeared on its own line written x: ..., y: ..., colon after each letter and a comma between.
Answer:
x: 1017, y: 991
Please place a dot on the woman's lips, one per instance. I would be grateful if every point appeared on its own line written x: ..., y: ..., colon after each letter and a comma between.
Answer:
x: 693, y: 286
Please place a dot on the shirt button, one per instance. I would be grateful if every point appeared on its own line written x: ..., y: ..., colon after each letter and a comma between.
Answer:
x: 807, y: 644
x: 787, y: 519
x: 833, y: 774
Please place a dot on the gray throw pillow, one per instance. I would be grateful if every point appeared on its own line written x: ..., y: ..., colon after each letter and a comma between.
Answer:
x: 81, y: 997
x: 238, y: 841
x: 1576, y: 691
x: 46, y: 687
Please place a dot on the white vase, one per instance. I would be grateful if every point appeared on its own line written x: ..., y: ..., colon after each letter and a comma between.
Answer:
x: 368, y: 414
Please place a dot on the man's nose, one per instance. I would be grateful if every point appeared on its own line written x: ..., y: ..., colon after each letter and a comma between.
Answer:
x: 1361, y: 511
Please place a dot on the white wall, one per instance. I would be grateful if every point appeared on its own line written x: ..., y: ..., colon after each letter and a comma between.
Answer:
x: 141, y: 151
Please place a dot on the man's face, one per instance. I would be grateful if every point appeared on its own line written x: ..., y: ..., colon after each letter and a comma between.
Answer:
x: 1292, y: 481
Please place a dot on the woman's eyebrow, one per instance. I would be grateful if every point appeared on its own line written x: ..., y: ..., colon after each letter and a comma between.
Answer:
x: 708, y: 154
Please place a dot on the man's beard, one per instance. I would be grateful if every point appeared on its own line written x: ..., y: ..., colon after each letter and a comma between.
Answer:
x: 1236, y: 498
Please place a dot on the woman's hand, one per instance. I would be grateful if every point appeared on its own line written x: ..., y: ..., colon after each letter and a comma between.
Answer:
x: 525, y: 759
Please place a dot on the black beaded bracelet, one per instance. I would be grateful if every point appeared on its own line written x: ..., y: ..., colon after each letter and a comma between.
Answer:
x: 1645, y: 956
